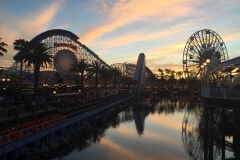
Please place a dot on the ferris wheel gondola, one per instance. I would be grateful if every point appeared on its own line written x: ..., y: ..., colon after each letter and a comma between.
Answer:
x: 202, y: 45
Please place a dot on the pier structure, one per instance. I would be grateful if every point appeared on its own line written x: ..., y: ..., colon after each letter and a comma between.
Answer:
x: 67, y: 50
x: 220, y: 93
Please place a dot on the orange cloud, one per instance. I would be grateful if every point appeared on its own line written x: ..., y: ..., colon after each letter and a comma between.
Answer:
x: 167, y: 121
x: 26, y: 28
x: 127, y: 12
x: 39, y: 22
x: 232, y: 36
x: 127, y: 152
x: 173, y: 123
x: 123, y: 152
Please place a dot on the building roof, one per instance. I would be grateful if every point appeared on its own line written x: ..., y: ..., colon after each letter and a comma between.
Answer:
x: 234, y: 61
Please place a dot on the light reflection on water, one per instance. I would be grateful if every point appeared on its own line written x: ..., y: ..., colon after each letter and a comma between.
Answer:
x: 165, y: 130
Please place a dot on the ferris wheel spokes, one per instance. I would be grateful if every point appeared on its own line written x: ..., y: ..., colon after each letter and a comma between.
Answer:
x: 200, y: 46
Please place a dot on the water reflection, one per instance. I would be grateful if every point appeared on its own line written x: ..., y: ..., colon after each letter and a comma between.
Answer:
x: 174, y: 127
x: 197, y: 140
x: 139, y: 115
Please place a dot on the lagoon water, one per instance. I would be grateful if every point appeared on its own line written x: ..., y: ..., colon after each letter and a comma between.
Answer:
x: 166, y: 129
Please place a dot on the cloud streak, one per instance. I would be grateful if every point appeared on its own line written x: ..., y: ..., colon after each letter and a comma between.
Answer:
x: 27, y: 27
x: 124, y: 13
x: 41, y: 20
x: 118, y: 30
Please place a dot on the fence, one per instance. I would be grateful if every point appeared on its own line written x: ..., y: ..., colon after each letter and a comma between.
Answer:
x: 35, y: 135
x: 221, y: 92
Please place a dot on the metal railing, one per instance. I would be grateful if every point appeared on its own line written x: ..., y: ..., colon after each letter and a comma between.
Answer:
x: 10, y: 110
x: 32, y: 132
x: 221, y: 92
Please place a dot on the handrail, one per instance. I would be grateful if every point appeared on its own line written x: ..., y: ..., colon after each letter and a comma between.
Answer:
x: 33, y: 129
x: 221, y: 92
x: 23, y: 108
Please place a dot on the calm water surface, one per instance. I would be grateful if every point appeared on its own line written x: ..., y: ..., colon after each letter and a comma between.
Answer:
x: 166, y: 129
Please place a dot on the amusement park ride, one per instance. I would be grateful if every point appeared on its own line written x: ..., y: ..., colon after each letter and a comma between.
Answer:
x: 199, y: 49
x: 67, y: 50
x: 203, y: 55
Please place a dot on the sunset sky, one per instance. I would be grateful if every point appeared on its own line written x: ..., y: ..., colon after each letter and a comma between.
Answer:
x: 118, y: 30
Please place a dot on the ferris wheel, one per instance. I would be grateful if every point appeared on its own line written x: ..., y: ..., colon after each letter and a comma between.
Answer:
x: 202, y: 45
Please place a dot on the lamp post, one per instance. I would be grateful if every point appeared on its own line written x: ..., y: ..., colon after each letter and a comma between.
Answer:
x: 205, y: 89
x: 45, y: 86
x: 208, y: 77
x: 5, y: 80
x: 5, y: 94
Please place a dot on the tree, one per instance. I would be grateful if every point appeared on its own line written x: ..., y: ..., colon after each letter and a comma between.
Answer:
x: 93, y: 70
x: 154, y: 79
x: 37, y: 54
x: 126, y: 80
x: 116, y: 73
x: 172, y: 80
x: 2, y: 49
x: 168, y: 72
x: 20, y: 45
x: 179, y: 73
x: 162, y: 76
x: 81, y: 67
x: 182, y: 81
x: 105, y: 74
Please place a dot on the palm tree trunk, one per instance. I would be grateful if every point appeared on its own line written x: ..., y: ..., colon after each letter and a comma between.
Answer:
x: 36, y: 79
x: 162, y: 82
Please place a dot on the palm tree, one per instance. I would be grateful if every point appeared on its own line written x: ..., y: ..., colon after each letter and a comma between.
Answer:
x: 93, y: 70
x: 179, y: 73
x: 20, y: 45
x: 162, y: 76
x: 168, y: 72
x: 116, y: 73
x: 81, y: 67
x: 105, y: 74
x: 37, y: 54
x: 2, y: 49
x: 154, y: 79
x: 172, y: 80
x: 182, y: 81
x: 172, y: 73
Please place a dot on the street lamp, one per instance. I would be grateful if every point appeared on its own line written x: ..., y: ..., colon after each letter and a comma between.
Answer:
x: 5, y: 80
x: 207, y: 60
x: 45, y: 88
x: 206, y: 77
